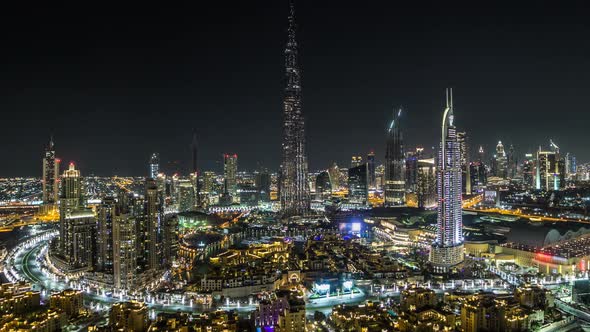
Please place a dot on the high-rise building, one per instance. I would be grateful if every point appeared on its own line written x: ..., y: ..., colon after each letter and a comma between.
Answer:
x: 208, y: 181
x: 335, y: 178
x: 395, y: 185
x: 124, y: 251
x: 293, y: 183
x: 74, y: 219
x: 528, y: 171
x: 152, y: 215
x: 50, y: 175
x: 230, y: 172
x: 447, y: 249
x: 170, y: 239
x: 358, y: 184
x: 478, y: 174
x: 426, y: 183
x: 323, y: 186
x: 371, y: 169
x: 412, y: 158
x: 512, y: 162
x: 154, y: 166
x: 500, y: 162
x: 356, y: 161
x: 571, y: 167
x: 104, y: 234
x: 262, y: 184
x: 465, y: 169
x: 550, y: 169
x: 481, y: 154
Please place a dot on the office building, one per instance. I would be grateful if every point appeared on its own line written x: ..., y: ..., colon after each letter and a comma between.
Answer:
x: 323, y: 186
x: 500, y: 162
x: 50, y: 175
x: 152, y: 218
x: 465, y: 162
x: 358, y: 184
x: 550, y: 169
x: 104, y: 234
x: 186, y: 195
x: 262, y: 184
x: 154, y: 166
x: 371, y: 169
x: 124, y: 251
x: 447, y: 249
x: 395, y: 186
x: 230, y: 172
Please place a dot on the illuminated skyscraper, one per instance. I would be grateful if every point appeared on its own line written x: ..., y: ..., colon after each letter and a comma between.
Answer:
x: 550, y: 169
x: 230, y: 172
x: 152, y: 215
x: 358, y: 186
x: 293, y: 183
x: 465, y: 169
x: 528, y: 171
x: 395, y: 184
x: 154, y: 166
x: 371, y: 169
x: 77, y: 224
x: 50, y: 175
x: 447, y: 249
x: 186, y: 196
x: 124, y: 253
x: 104, y: 234
x: 500, y: 162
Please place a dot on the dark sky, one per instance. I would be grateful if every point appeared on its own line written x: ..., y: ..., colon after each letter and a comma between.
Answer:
x: 115, y: 84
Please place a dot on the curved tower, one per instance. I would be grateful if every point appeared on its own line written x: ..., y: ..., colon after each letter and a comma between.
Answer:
x: 395, y: 184
x: 447, y: 249
x: 293, y: 184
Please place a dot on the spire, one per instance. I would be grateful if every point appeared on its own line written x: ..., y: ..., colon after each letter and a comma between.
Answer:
x: 51, y: 144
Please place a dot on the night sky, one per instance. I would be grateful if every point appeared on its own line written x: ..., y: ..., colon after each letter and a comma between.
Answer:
x: 114, y: 88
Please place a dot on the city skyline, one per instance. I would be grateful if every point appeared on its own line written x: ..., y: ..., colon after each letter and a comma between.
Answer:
x: 415, y: 56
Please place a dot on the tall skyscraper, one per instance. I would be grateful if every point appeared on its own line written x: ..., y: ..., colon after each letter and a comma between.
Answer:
x: 104, y: 234
x: 447, y: 249
x: 124, y: 253
x: 50, y: 175
x: 186, y: 196
x: 152, y: 215
x: 230, y: 172
x: 550, y: 169
x: 293, y: 183
x: 154, y: 166
x: 528, y: 171
x: 262, y: 184
x: 371, y: 169
x: 395, y: 184
x: 465, y: 169
x: 511, y: 163
x: 358, y: 186
x: 77, y: 224
x: 500, y: 162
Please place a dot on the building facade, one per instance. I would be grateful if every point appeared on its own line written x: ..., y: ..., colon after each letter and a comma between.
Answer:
x: 447, y: 249
x: 395, y: 184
